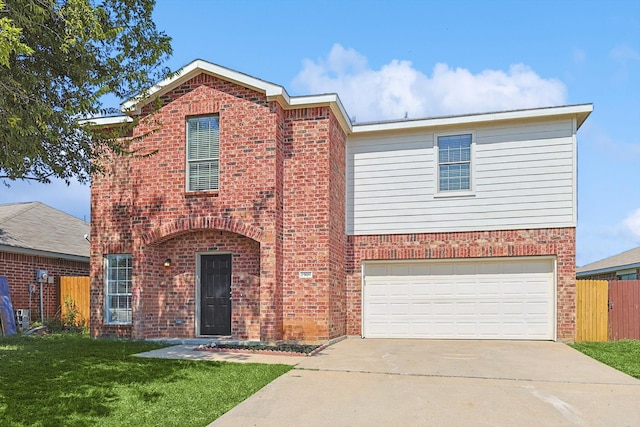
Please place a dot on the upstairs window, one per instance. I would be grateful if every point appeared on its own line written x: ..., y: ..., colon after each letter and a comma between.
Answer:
x: 203, y: 153
x: 454, y: 162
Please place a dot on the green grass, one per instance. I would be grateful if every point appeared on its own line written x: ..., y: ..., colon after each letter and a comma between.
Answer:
x: 623, y: 355
x: 72, y: 380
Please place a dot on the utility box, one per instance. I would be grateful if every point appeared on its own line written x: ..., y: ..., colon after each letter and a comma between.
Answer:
x: 23, y: 319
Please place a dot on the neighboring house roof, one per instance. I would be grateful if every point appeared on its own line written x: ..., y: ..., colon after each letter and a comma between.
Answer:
x: 623, y: 261
x: 38, y: 229
x: 279, y: 94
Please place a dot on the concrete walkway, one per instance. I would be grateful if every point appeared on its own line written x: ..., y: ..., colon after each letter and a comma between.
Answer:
x: 187, y: 352
x: 371, y: 382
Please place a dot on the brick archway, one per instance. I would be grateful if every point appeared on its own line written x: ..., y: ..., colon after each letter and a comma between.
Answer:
x: 187, y: 225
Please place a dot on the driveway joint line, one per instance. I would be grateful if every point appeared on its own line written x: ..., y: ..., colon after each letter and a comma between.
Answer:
x: 298, y: 368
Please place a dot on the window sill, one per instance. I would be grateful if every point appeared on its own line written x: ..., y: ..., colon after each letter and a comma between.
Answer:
x: 450, y: 194
x: 212, y: 193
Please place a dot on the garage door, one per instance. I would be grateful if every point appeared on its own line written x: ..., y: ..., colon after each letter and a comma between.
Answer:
x: 471, y: 299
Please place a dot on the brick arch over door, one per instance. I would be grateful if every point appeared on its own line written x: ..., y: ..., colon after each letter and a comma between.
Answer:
x: 172, y: 293
x: 187, y: 225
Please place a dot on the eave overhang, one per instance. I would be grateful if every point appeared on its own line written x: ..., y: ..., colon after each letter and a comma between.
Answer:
x: 580, y: 112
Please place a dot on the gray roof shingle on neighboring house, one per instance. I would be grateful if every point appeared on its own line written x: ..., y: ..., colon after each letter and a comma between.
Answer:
x: 36, y: 228
x: 624, y: 260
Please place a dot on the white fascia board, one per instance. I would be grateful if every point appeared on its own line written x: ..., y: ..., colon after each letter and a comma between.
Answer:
x: 272, y: 91
x: 581, y: 111
x: 330, y: 99
x: 193, y: 69
x: 106, y: 121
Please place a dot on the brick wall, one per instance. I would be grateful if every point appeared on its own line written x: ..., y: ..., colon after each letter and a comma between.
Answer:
x: 305, y: 301
x: 337, y: 234
x: 169, y: 297
x: 558, y: 242
x: 142, y: 195
x: 20, y: 270
x: 276, y: 178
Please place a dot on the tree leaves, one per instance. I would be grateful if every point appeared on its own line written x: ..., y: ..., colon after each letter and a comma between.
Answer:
x: 10, y: 39
x: 60, y: 58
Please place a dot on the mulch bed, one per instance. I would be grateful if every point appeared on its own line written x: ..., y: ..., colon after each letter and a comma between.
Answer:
x: 274, y: 349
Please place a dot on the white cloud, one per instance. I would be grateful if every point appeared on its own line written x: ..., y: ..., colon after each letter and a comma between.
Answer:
x: 397, y: 88
x: 625, y: 57
x: 579, y: 56
x: 624, y: 54
x: 608, y: 147
x: 632, y: 222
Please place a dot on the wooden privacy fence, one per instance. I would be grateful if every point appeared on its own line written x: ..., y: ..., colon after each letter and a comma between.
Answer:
x: 624, y: 309
x: 591, y: 310
x: 607, y: 310
x: 74, y: 299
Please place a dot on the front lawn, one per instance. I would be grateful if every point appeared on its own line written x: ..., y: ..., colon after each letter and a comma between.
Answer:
x: 72, y: 380
x: 623, y: 355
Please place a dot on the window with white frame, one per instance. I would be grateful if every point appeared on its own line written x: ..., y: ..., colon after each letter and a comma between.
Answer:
x: 454, y: 162
x: 203, y: 153
x: 117, y: 270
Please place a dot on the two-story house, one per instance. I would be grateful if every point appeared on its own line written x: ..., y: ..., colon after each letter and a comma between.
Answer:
x: 267, y: 217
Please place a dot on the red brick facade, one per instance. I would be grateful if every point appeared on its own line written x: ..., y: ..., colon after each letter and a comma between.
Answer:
x: 280, y: 212
x: 20, y: 270
x: 281, y: 178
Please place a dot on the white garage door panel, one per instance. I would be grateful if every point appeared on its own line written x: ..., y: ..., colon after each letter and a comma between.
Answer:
x: 498, y: 299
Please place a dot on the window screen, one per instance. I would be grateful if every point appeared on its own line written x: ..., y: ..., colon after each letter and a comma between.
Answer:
x: 454, y: 162
x: 203, y: 154
x: 118, y: 288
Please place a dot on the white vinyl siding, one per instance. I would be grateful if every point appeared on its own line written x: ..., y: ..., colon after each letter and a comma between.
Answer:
x: 460, y: 299
x: 203, y: 153
x: 523, y: 177
x: 117, y: 271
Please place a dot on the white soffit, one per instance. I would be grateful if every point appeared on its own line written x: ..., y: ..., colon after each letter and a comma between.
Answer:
x: 106, y: 121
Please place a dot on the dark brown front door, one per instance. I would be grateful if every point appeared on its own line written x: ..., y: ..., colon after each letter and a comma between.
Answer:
x: 215, y: 294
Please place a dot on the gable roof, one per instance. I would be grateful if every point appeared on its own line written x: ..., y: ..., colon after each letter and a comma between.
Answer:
x: 38, y: 229
x: 278, y: 93
x: 272, y: 91
x: 625, y: 260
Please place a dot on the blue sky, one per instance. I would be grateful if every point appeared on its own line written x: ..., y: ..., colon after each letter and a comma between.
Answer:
x: 386, y: 59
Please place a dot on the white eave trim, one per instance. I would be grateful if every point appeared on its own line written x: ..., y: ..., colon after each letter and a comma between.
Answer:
x: 581, y: 111
x: 331, y: 100
x: 106, y: 121
x: 272, y: 91
x: 278, y: 93
x: 193, y: 69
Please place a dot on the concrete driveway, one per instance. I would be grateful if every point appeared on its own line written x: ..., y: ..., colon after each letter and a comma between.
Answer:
x: 375, y: 382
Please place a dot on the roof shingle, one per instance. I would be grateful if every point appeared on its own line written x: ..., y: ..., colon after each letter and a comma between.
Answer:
x: 35, y: 226
x: 625, y: 259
